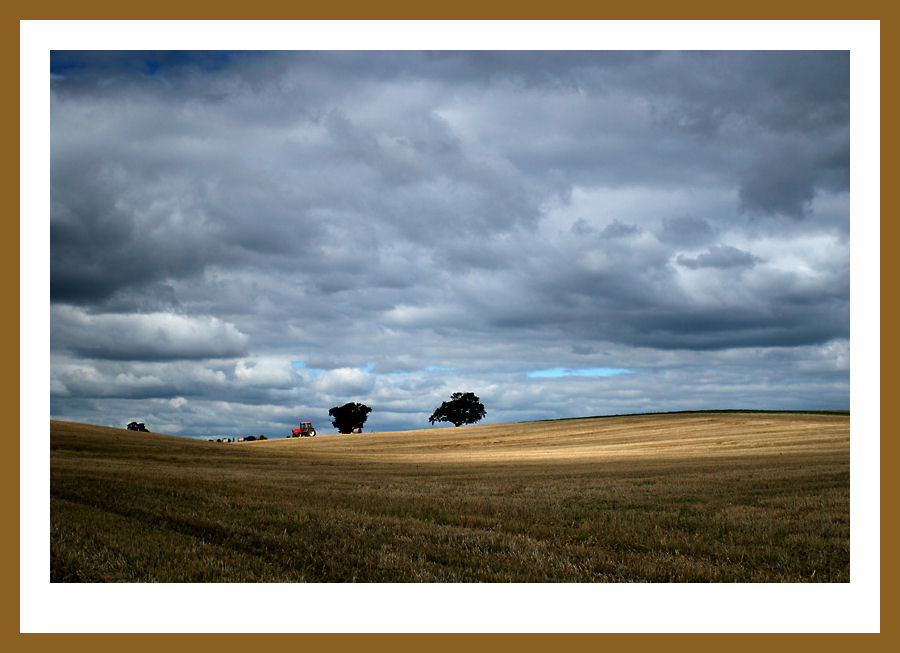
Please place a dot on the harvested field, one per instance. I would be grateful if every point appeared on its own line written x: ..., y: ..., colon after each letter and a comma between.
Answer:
x: 704, y: 497
x: 659, y: 436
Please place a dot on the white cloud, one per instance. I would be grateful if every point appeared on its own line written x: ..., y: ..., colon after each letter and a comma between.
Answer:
x: 272, y: 371
x: 344, y: 382
x: 148, y: 336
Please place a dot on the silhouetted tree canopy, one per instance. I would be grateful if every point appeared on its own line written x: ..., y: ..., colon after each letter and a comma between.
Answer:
x: 463, y: 408
x: 137, y: 426
x: 349, y: 416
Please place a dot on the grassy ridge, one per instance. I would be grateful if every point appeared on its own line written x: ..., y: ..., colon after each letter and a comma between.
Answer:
x: 736, y: 497
x: 713, y: 411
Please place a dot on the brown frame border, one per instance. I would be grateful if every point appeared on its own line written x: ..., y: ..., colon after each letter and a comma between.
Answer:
x: 398, y: 9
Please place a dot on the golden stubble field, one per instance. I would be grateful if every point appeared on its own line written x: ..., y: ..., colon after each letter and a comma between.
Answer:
x: 704, y: 497
x: 695, y: 436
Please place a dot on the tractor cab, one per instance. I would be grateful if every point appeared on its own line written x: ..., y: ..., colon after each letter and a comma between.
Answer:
x: 306, y: 429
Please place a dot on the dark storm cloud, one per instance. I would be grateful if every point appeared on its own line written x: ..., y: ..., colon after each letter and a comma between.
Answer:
x: 687, y: 230
x: 720, y: 256
x: 618, y: 230
x: 732, y: 327
x: 283, y: 232
x: 785, y: 180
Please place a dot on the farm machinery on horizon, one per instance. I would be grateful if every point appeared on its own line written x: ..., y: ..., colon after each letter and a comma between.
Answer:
x: 306, y: 429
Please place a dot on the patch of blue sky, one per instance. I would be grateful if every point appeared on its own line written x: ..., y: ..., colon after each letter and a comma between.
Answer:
x: 152, y: 66
x: 300, y: 365
x: 439, y: 368
x: 555, y: 372
x: 149, y: 62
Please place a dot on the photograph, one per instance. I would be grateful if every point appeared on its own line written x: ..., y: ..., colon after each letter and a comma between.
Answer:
x: 538, y: 316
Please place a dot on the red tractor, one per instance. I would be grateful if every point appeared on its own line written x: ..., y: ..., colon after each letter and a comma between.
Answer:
x: 306, y: 428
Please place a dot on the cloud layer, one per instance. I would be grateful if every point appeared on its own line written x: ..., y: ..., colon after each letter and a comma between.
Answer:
x: 239, y: 240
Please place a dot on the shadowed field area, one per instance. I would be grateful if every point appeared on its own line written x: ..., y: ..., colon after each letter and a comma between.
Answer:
x: 683, y: 497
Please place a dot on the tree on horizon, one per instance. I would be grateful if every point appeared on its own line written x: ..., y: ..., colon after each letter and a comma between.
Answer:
x: 349, y: 416
x: 463, y: 408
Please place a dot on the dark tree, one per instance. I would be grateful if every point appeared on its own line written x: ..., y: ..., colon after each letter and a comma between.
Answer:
x: 137, y: 426
x: 463, y: 408
x: 349, y: 416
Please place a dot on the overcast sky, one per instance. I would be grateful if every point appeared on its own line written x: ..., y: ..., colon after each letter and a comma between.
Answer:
x: 240, y: 241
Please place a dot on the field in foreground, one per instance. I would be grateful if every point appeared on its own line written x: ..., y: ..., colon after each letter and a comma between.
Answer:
x: 734, y: 497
